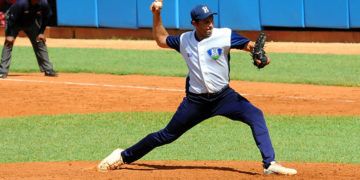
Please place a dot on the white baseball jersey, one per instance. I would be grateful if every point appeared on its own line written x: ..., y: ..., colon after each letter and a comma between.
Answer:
x: 208, y: 59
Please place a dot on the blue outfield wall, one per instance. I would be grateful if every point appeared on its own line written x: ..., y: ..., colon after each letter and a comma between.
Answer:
x: 169, y: 13
x: 327, y: 14
x: 235, y: 14
x: 77, y: 13
x: 354, y: 10
x: 113, y: 13
x: 279, y: 14
x: 239, y: 14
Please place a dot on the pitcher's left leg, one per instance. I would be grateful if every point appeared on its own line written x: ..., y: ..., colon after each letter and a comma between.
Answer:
x: 238, y: 108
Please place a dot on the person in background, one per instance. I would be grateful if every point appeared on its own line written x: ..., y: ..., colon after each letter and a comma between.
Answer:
x: 30, y: 16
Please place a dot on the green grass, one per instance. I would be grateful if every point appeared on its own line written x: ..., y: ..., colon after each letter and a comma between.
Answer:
x: 340, y: 70
x: 93, y: 136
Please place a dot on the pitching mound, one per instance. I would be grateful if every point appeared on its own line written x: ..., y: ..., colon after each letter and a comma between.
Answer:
x: 173, y: 170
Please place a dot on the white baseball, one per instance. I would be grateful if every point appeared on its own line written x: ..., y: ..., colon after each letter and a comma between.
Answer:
x: 158, y: 4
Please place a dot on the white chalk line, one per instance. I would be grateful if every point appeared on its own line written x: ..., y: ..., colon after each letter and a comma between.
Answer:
x: 96, y: 85
x: 163, y: 89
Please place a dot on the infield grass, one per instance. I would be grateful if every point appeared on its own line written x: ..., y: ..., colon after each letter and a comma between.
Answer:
x: 93, y: 136
x: 340, y: 70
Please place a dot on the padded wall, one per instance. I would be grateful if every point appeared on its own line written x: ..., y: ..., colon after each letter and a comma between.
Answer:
x: 113, y: 13
x: 327, y: 13
x: 77, y: 13
x: 240, y: 14
x: 354, y: 8
x: 235, y: 14
x: 280, y: 13
x: 169, y: 13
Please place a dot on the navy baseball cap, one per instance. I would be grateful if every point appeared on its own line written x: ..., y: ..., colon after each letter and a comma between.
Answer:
x: 201, y: 12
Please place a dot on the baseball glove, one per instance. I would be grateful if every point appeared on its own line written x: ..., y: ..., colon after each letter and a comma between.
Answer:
x: 258, y: 53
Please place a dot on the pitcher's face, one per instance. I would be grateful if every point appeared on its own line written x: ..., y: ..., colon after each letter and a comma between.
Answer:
x: 204, y: 27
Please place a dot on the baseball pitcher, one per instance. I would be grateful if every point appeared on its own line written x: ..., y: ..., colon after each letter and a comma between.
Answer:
x: 206, y: 51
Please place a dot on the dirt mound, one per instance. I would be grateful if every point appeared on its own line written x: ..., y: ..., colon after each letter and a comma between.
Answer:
x: 173, y: 170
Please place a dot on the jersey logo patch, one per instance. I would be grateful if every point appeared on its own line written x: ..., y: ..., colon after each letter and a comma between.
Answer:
x: 215, y: 53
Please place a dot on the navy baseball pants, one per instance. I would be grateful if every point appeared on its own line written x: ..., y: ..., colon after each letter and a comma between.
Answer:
x: 197, y: 108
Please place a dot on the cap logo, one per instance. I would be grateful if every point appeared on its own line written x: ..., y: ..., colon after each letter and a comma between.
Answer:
x: 205, y: 9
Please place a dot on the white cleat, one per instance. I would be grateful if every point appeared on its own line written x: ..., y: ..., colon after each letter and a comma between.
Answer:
x: 276, y: 168
x: 112, y: 161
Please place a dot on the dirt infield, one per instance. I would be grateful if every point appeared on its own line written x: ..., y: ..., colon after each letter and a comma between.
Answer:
x: 310, y: 48
x: 35, y: 94
x: 26, y: 94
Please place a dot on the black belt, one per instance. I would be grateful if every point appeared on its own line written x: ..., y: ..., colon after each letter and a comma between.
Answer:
x: 210, y: 95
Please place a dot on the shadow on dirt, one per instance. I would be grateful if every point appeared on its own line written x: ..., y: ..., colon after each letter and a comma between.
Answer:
x: 151, y: 167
